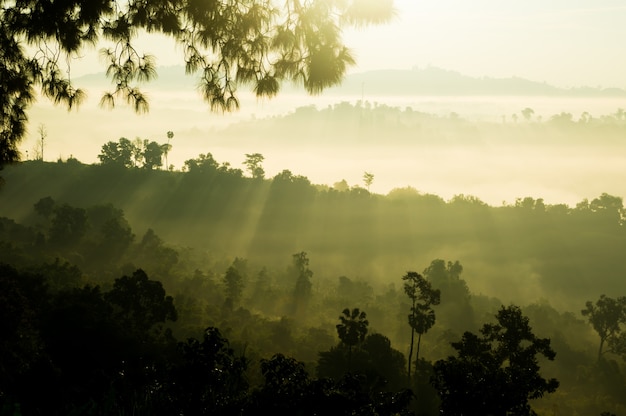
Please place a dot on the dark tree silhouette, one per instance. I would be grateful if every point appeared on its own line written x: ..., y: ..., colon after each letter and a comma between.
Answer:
x: 166, y: 147
x: 496, y: 373
x: 140, y: 304
x: 234, y: 281
x: 352, y: 329
x: 253, y: 165
x: 118, y: 154
x: 368, y: 179
x: 208, y: 378
x: 606, y: 316
x: 302, y: 291
x: 455, y: 310
x: 68, y: 225
x: 152, y: 155
x: 422, y: 316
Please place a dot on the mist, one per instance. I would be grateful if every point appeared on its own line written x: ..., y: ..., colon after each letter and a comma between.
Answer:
x: 471, y: 145
x: 503, y: 204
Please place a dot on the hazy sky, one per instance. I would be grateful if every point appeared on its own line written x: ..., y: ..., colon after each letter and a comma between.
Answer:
x: 562, y: 42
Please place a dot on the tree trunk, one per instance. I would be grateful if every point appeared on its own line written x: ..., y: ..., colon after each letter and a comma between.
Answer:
x: 600, y: 349
x: 417, y: 354
x: 412, y: 338
x: 410, y: 355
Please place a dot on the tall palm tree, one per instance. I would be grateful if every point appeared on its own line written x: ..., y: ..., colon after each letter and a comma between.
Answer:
x: 166, y: 147
x: 422, y: 316
x: 352, y: 329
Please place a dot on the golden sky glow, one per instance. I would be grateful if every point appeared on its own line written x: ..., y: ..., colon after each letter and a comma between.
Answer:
x: 565, y: 42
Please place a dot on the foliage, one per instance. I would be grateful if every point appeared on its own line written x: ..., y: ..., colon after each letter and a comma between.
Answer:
x: 303, y: 276
x: 495, y: 373
x: 352, y: 327
x: 234, y: 281
x: 253, y: 165
x: 205, y: 217
x: 368, y: 179
x: 422, y: 316
x: 129, y: 154
x: 607, y: 316
x: 226, y: 43
x: 455, y: 309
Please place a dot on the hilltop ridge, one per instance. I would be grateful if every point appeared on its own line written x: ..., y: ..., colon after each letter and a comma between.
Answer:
x: 428, y: 81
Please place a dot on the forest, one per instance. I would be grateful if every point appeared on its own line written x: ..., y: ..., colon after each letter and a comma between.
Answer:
x: 130, y: 288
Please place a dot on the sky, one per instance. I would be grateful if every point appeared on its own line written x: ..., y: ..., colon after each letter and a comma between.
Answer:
x: 562, y: 42
x: 565, y: 43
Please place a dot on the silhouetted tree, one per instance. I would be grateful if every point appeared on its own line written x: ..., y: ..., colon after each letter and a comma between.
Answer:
x: 68, y: 225
x: 422, y: 316
x: 208, y: 378
x: 352, y: 329
x: 496, y: 373
x: 141, y: 305
x: 527, y: 113
x: 42, y: 137
x: 45, y: 207
x: 118, y: 154
x: 302, y: 291
x: 607, y: 316
x: 253, y: 165
x: 455, y: 310
x: 368, y: 179
x: 166, y: 147
x: 152, y: 155
x: 234, y: 281
x: 286, y: 389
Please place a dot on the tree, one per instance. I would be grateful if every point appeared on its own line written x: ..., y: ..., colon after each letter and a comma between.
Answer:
x: 422, y: 316
x: 166, y: 147
x: 152, y: 152
x: 455, y: 311
x: 45, y: 207
x: 368, y: 179
x: 210, y: 378
x: 341, y: 186
x: 527, y: 113
x: 225, y: 43
x: 496, y: 373
x: 606, y: 317
x: 68, y: 225
x: 42, y: 137
x: 140, y: 304
x: 120, y: 153
x: 234, y: 281
x: 304, y: 274
x: 253, y: 165
x: 352, y: 329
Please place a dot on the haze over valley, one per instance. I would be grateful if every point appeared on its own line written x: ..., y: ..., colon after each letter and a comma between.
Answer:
x: 476, y: 142
x: 418, y: 208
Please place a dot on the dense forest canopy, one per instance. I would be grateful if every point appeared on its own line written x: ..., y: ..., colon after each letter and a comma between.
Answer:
x: 272, y: 261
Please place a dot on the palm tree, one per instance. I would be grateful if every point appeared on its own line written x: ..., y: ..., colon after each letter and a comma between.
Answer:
x: 422, y: 316
x: 166, y: 147
x: 352, y: 329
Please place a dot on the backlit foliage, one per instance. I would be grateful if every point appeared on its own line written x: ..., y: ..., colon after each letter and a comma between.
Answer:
x: 227, y: 43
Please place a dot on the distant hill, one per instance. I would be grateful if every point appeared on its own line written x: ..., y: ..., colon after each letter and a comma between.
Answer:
x: 396, y: 82
x: 437, y: 81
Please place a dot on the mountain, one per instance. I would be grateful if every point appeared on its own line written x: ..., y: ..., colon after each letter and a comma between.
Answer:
x: 437, y: 81
x: 429, y: 81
